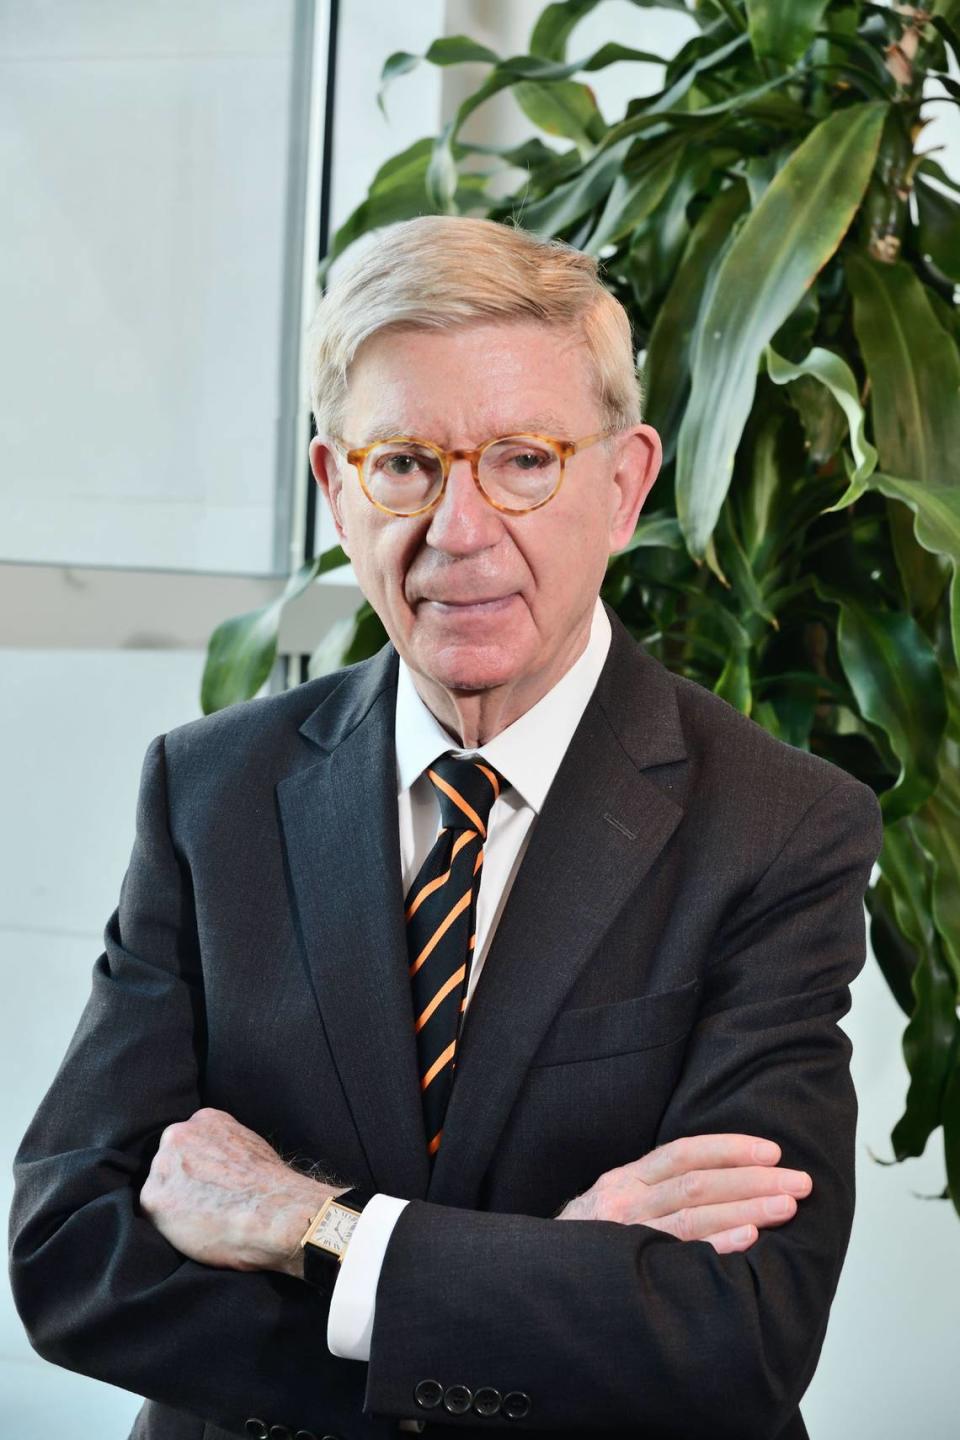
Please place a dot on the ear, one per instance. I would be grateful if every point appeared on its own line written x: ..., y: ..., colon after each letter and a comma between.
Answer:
x: 638, y: 465
x: 325, y: 464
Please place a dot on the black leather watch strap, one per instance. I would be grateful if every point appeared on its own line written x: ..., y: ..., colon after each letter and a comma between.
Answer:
x: 320, y: 1267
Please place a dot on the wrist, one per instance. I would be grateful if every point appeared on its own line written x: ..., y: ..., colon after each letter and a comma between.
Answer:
x: 295, y: 1220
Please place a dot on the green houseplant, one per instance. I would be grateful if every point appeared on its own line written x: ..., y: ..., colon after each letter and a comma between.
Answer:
x: 787, y: 253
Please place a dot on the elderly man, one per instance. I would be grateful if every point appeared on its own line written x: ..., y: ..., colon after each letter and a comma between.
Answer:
x: 502, y: 928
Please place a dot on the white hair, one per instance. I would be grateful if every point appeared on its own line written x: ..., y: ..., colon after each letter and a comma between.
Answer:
x: 441, y: 271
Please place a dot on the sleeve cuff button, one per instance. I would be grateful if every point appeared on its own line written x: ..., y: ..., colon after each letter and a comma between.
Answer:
x: 428, y: 1394
x: 486, y: 1400
x: 516, y: 1405
x: 456, y: 1399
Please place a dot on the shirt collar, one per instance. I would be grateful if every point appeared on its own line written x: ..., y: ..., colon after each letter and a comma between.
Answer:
x: 528, y: 753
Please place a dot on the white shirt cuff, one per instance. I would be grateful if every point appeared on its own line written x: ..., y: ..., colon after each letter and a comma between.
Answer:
x: 352, y: 1304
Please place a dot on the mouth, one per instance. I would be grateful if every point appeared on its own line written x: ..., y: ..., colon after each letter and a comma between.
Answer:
x: 479, y: 606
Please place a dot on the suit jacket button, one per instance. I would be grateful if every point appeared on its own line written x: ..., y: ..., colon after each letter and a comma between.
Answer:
x: 516, y: 1405
x: 309, y: 1435
x: 456, y: 1399
x: 280, y: 1432
x: 256, y: 1429
x: 428, y: 1394
x: 486, y: 1400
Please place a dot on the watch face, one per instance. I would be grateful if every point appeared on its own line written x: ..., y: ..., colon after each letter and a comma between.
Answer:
x: 335, y: 1228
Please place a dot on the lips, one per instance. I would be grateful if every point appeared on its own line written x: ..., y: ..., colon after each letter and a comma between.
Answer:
x: 471, y: 602
x: 476, y: 600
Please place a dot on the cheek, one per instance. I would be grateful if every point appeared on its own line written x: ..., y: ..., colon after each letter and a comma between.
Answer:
x: 566, y: 556
x: 382, y: 554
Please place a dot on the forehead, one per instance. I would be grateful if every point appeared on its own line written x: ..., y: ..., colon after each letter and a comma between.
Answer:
x: 463, y: 385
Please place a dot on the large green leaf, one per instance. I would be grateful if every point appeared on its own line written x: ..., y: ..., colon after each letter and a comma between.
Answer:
x: 569, y: 202
x: 552, y: 29
x: 938, y: 231
x: 937, y: 824
x: 354, y: 638
x: 633, y: 197
x: 893, y: 672
x: 894, y: 954
x: 794, y: 230
x: 761, y: 514
x: 871, y: 77
x: 666, y: 371
x: 399, y: 192
x: 833, y: 372
x: 448, y: 50
x: 904, y: 868
x: 783, y: 28
x: 652, y: 531
x: 562, y: 108
x: 556, y: 212
x: 241, y: 651
x: 441, y: 179
x: 534, y: 67
x: 685, y: 77
x: 914, y: 371
x: 928, y: 1046
x: 936, y: 510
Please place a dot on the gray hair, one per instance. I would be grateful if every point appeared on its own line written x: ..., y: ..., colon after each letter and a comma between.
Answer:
x: 441, y: 271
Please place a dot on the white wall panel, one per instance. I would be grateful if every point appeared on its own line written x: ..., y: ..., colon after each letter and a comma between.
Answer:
x: 144, y: 161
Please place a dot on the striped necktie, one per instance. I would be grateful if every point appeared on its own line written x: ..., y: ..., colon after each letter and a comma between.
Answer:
x: 441, y: 925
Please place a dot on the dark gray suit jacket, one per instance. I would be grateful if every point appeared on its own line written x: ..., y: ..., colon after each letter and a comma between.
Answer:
x: 673, y: 960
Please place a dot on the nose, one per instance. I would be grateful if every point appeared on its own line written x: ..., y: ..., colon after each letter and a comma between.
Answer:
x: 463, y: 522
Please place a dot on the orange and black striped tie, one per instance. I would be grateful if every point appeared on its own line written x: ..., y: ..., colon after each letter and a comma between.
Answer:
x: 441, y: 925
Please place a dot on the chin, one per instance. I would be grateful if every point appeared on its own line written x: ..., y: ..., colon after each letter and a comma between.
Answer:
x: 468, y: 668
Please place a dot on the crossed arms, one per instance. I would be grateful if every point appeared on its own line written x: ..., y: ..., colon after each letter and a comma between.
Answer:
x: 606, y: 1324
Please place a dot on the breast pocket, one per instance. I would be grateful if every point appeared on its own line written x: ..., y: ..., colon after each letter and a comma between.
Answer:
x: 641, y: 1023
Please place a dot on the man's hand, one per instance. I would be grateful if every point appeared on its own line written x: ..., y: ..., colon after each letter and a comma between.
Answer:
x: 221, y: 1195
x: 719, y: 1188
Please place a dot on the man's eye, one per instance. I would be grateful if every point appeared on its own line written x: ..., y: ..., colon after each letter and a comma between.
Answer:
x: 400, y: 466
x: 529, y: 460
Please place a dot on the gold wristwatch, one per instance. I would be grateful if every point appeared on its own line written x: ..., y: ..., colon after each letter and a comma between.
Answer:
x: 328, y: 1235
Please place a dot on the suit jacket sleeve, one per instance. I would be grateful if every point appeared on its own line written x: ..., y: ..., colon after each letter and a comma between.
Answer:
x: 608, y: 1325
x: 98, y: 1288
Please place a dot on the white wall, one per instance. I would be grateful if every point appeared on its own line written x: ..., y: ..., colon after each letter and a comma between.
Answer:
x: 144, y: 161
x: 76, y: 726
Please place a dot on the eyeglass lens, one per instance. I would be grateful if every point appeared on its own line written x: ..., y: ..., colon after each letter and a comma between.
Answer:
x: 517, y: 472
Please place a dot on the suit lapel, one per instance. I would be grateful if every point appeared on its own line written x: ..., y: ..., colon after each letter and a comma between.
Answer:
x: 341, y: 831
x: 605, y: 821
x: 602, y: 826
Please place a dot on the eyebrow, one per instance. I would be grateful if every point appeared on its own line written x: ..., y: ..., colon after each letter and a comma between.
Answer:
x: 539, y: 425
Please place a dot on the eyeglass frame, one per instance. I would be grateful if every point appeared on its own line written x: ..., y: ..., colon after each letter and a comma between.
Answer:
x: 564, y: 449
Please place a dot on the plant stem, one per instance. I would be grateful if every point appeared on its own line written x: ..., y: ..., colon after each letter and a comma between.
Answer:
x: 733, y: 14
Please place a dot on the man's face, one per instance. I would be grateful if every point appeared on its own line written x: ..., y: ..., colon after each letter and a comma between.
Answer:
x: 472, y: 598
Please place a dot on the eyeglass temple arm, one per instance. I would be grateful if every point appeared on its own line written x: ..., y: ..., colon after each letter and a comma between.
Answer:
x: 577, y: 445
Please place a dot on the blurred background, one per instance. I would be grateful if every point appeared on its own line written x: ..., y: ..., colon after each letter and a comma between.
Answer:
x: 171, y: 175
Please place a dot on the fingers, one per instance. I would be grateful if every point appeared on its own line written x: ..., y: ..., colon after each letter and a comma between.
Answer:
x: 732, y: 1242
x: 703, y: 1152
x: 702, y: 1221
x: 717, y: 1187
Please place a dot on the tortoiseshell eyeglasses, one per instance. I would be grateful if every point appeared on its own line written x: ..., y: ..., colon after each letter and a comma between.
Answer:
x: 514, y: 473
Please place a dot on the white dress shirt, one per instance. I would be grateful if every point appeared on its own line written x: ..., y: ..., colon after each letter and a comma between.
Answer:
x: 527, y: 754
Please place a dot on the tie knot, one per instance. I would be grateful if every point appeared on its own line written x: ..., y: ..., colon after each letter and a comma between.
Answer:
x: 466, y: 790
